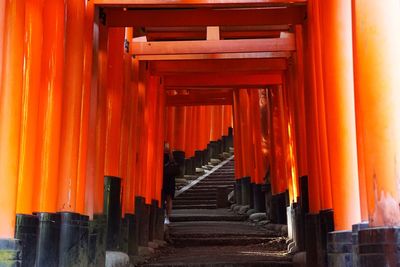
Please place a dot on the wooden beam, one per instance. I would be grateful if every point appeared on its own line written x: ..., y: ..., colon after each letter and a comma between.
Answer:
x: 212, y: 47
x: 214, y: 56
x: 118, y: 17
x: 197, y: 3
x: 209, y: 65
x: 191, y: 101
x: 231, y: 80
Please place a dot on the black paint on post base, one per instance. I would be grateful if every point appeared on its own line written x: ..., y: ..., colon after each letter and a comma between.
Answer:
x: 152, y: 219
x: 179, y: 157
x: 97, y: 240
x: 238, y: 192
x: 267, y: 189
x: 278, y: 208
x: 69, y: 239
x: 225, y: 143
x: 379, y: 246
x: 339, y: 248
x: 205, y: 157
x: 10, y: 252
x: 84, y: 240
x: 198, y: 159
x: 123, y: 236
x: 160, y: 224
x: 246, y: 190
x: 258, y: 198
x: 222, y: 197
x: 312, y: 226
x: 142, y: 221
x: 112, y: 210
x: 132, y: 235
x: 326, y: 226
x: 26, y: 227
x: 299, y: 226
x: 357, y: 227
x: 304, y: 194
x: 48, y: 239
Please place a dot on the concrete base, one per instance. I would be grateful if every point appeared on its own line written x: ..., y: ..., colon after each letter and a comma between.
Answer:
x: 339, y: 249
x: 10, y: 252
x: 379, y: 246
x: 116, y: 259
x: 355, y: 229
x: 258, y: 216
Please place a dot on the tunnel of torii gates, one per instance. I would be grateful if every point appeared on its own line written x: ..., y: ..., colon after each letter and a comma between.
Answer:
x: 91, y: 90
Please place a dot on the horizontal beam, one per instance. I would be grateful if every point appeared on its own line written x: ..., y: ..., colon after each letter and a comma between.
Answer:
x: 209, y: 65
x: 196, y: 3
x: 222, y: 80
x: 214, y: 56
x: 186, y: 101
x: 214, y: 46
x: 118, y: 17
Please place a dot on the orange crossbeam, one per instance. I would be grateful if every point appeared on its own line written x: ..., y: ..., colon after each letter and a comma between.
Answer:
x: 223, y: 80
x: 225, y: 65
x: 117, y: 17
x: 214, y: 46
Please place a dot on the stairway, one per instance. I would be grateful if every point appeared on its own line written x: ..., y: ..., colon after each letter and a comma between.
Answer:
x: 202, y: 195
x: 202, y: 235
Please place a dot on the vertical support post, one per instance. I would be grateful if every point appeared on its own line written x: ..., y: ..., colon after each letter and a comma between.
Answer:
x: 340, y: 115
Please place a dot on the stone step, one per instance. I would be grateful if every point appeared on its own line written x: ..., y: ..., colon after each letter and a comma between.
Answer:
x: 195, y: 206
x: 199, y: 197
x: 194, y: 201
x: 218, y: 241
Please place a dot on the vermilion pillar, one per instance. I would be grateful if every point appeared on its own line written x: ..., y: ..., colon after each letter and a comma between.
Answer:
x: 160, y: 143
x: 49, y: 122
x: 189, y: 125
x: 179, y: 130
x: 377, y: 79
x: 340, y: 112
x: 82, y: 188
x: 71, y: 109
x: 10, y: 113
x: 28, y: 160
x: 245, y: 134
x: 227, y: 119
x: 2, y: 26
x: 325, y: 177
x: 216, y: 123
x: 237, y: 135
x: 114, y: 100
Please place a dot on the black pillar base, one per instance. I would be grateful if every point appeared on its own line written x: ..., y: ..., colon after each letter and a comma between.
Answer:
x: 379, y: 246
x: 10, y: 252
x: 48, y: 239
x: 238, y: 192
x: 312, y: 231
x: 225, y: 143
x: 205, y: 157
x: 326, y: 226
x: 112, y: 209
x: 299, y: 221
x: 179, y: 157
x: 70, y: 239
x: 84, y: 240
x: 198, y: 159
x: 258, y: 198
x: 132, y: 235
x: 26, y: 227
x: 97, y: 240
x: 355, y: 229
x: 159, y: 224
x: 123, y: 236
x: 142, y: 221
x: 152, y: 219
x: 278, y: 208
x: 339, y: 248
x: 222, y: 197
x: 268, y: 200
x: 246, y: 190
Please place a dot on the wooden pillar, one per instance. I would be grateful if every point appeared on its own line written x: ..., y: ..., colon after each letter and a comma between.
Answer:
x: 189, y: 124
x: 82, y: 189
x: 2, y: 38
x: 377, y: 55
x: 28, y: 160
x: 10, y: 113
x: 160, y: 143
x: 179, y: 130
x: 340, y: 115
x: 71, y: 109
x: 237, y: 135
x: 114, y: 100
x: 246, y: 137
x: 216, y: 123
x: 50, y: 103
